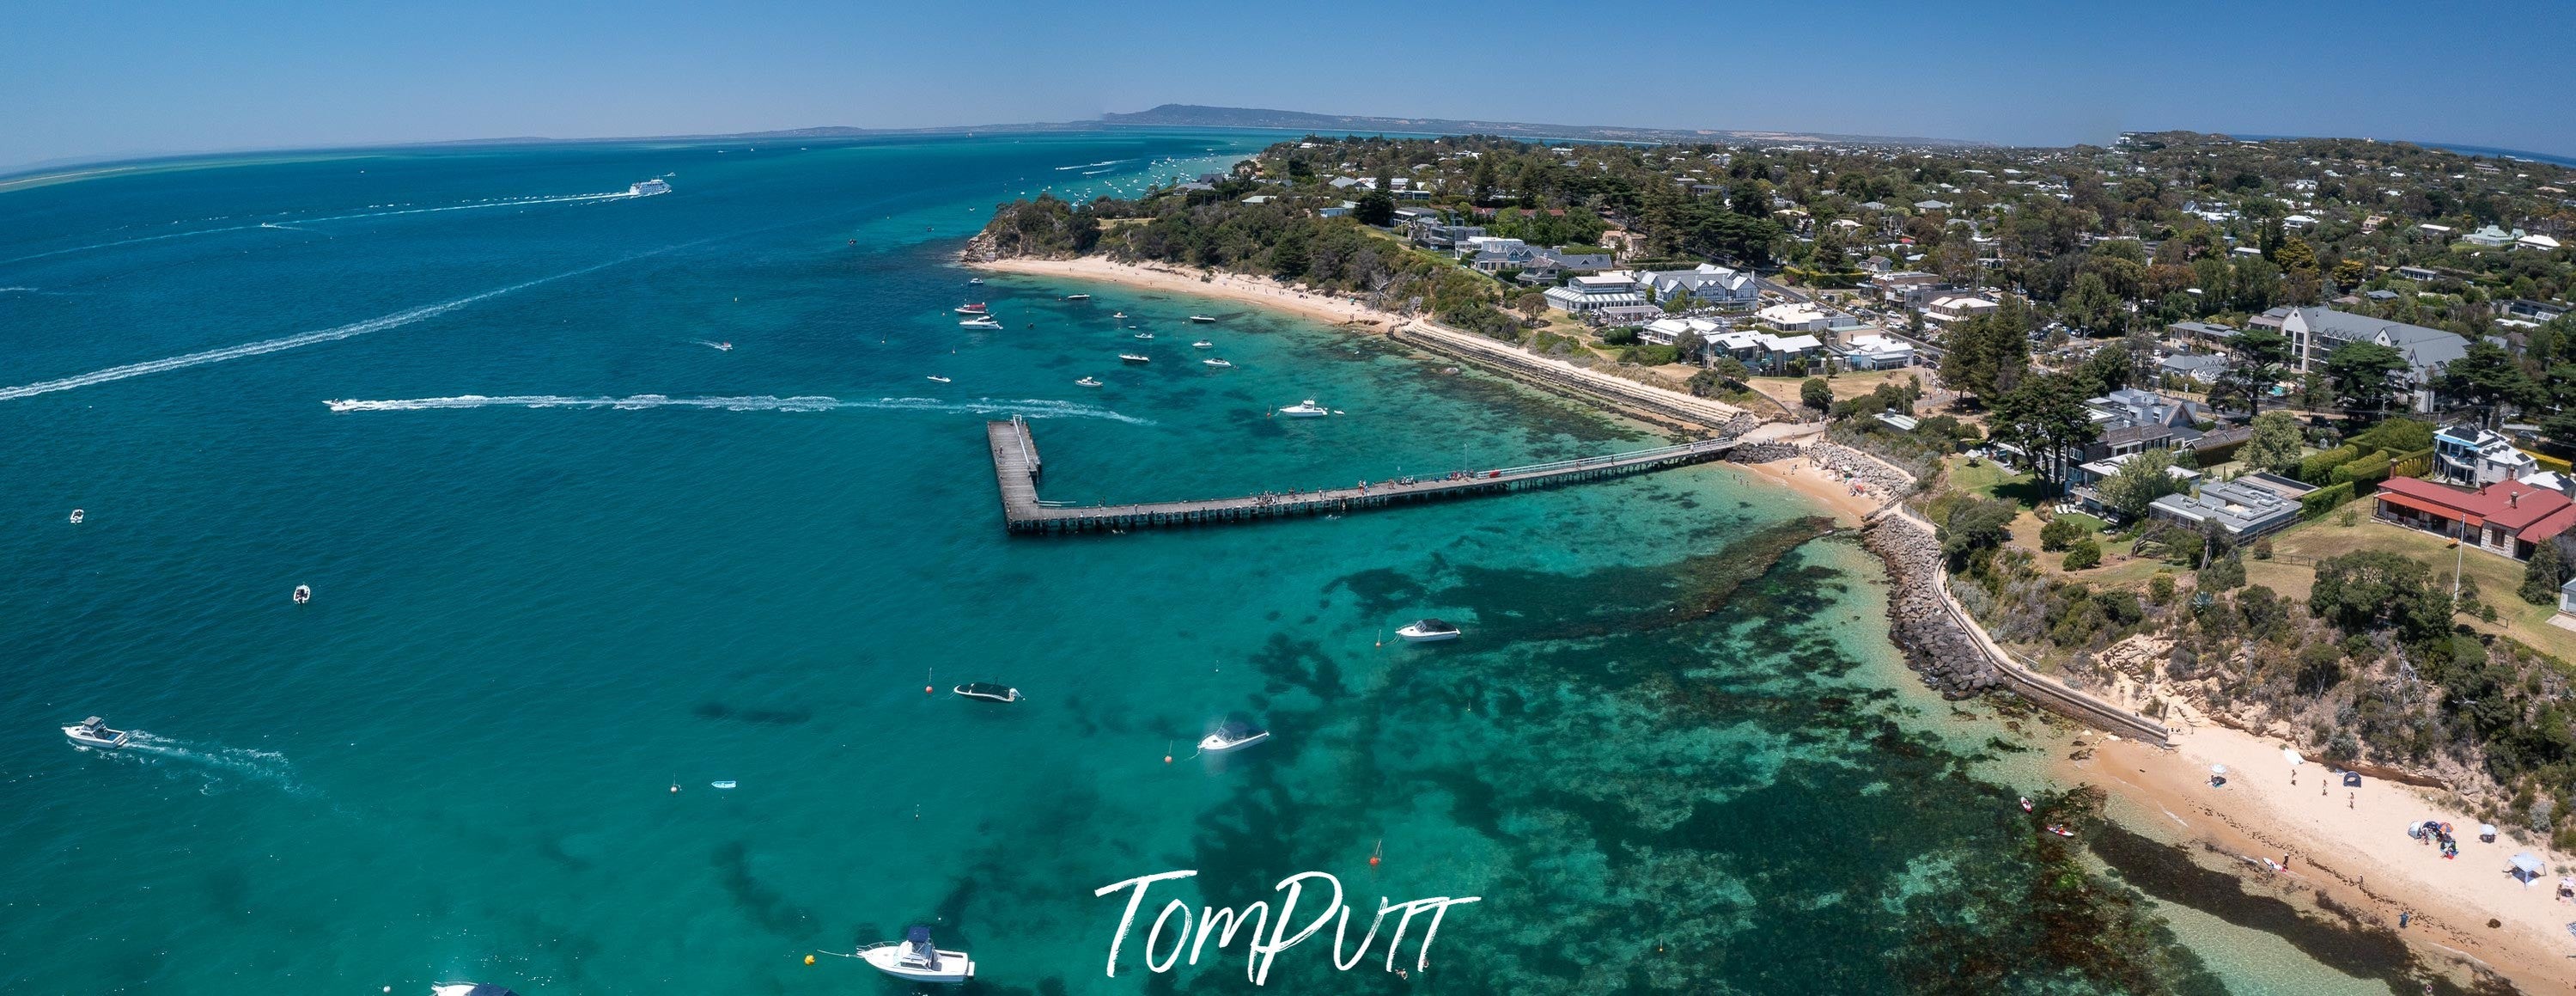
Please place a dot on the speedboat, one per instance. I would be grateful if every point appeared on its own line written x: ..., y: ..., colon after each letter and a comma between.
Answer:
x: 303, y: 593
x: 469, y: 989
x: 648, y: 188
x: 724, y: 347
x: 1135, y: 358
x: 1203, y: 344
x: 1077, y: 297
x: 981, y: 322
x: 725, y: 784
x: 1427, y: 631
x: 987, y: 691
x: 1087, y: 382
x: 1234, y: 735
x: 1306, y: 409
x: 93, y: 732
x: 1144, y: 335
x: 1214, y: 362
x: 1201, y: 318
x: 916, y: 959
x: 976, y: 308
x: 78, y: 515
x: 938, y: 378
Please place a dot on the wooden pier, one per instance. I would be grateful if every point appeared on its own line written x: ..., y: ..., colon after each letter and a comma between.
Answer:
x: 1016, y: 470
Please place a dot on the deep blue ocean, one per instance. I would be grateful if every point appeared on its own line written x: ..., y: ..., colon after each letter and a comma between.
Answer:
x: 567, y: 554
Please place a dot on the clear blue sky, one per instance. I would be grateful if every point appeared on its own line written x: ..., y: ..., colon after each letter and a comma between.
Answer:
x: 85, y: 80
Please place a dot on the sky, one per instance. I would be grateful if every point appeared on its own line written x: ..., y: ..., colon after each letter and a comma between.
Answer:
x: 96, y: 80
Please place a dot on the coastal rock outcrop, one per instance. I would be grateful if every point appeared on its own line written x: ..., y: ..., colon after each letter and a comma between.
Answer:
x: 1869, y: 469
x: 1934, y: 644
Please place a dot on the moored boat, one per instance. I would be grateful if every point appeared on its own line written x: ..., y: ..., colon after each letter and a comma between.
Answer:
x: 1203, y: 344
x: 93, y: 732
x: 1077, y: 297
x: 1135, y: 358
x: 1427, y: 631
x: 980, y: 322
x: 1235, y: 734
x: 1117, y: 314
x: 915, y: 958
x: 1214, y: 362
x: 976, y: 308
x: 1087, y: 382
x: 937, y: 378
x: 1144, y: 335
x: 469, y: 989
x: 1203, y: 319
x: 987, y: 691
x: 1306, y: 409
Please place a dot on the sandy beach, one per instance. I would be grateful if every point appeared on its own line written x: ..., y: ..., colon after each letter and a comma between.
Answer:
x: 2347, y: 847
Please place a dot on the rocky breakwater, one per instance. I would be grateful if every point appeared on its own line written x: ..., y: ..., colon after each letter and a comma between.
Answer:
x: 1919, y: 616
x: 1872, y: 471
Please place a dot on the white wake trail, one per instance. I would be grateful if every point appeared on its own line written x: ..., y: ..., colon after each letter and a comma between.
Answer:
x: 353, y: 329
x: 288, y: 226
x: 1026, y: 407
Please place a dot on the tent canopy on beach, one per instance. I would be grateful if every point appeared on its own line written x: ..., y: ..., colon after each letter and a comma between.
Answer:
x: 2526, y: 867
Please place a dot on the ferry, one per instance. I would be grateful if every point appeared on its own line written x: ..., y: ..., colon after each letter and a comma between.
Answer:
x: 987, y: 691
x: 977, y: 308
x: 980, y: 322
x: 1135, y: 358
x: 1214, y: 362
x: 648, y: 188
x: 1427, y: 631
x: 1234, y: 735
x: 916, y: 959
x: 1087, y: 382
x: 93, y: 732
x: 1203, y: 319
x: 1306, y: 409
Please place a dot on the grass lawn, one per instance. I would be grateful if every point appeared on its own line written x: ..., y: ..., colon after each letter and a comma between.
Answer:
x: 2497, y: 576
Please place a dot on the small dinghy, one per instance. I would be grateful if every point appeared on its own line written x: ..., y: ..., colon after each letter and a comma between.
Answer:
x: 469, y: 989
x: 1201, y: 319
x: 2059, y: 830
x: 78, y: 515
x: 916, y: 959
x: 725, y: 784
x: 1087, y: 382
x: 1217, y: 362
x: 987, y: 691
x: 936, y: 378
x: 1135, y: 358
x: 1234, y: 735
x: 93, y: 732
x: 2025, y: 804
x: 303, y: 593
x: 1427, y: 631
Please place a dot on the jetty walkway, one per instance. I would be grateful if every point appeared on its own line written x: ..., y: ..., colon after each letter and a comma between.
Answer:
x: 1016, y: 469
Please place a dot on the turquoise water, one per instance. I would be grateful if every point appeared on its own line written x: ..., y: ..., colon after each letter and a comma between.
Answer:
x: 1669, y: 755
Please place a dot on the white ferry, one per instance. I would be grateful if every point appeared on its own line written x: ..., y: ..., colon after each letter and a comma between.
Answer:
x: 648, y: 188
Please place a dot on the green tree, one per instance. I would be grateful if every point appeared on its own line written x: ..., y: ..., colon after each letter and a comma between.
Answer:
x: 1975, y: 523
x: 2254, y: 365
x: 2046, y: 417
x: 2375, y: 589
x: 2542, y: 575
x: 1985, y: 356
x: 2105, y: 371
x: 1377, y: 207
x: 2084, y: 553
x: 2366, y: 377
x: 2091, y: 306
x: 2275, y: 444
x: 1816, y: 394
x: 2140, y: 480
x: 2487, y: 378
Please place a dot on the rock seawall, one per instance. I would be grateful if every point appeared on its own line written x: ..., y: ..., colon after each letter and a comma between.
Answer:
x: 1935, y: 646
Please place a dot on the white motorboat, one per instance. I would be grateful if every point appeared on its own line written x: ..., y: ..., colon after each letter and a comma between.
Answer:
x: 1427, y: 631
x: 303, y: 594
x: 1202, y: 319
x: 916, y: 959
x: 469, y: 989
x: 1077, y: 297
x: 976, y: 308
x: 987, y: 691
x: 93, y: 732
x: 1306, y: 409
x: 937, y: 378
x: 1203, y: 344
x: 975, y: 281
x: 1234, y: 735
x: 1087, y: 382
x: 78, y: 515
x: 1214, y: 362
x: 1145, y: 335
x: 648, y: 188
x: 1118, y: 314
x: 981, y: 322
x: 1135, y: 358
x: 725, y: 784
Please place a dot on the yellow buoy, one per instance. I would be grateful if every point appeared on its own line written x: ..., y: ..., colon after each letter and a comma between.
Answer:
x: 809, y: 959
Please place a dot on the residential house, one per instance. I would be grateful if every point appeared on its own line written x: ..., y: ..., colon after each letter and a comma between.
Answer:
x: 2202, y: 332
x: 2472, y: 456
x: 1435, y: 234
x: 2082, y: 479
x: 2198, y: 367
x: 1795, y: 317
x: 1908, y: 288
x: 1588, y: 295
x: 2492, y: 236
x: 1945, y: 310
x: 1667, y: 331
x: 1711, y: 285
x: 2243, y: 508
x: 2530, y: 310
x: 1876, y: 352
x: 2316, y: 332
x: 2508, y: 517
x: 1763, y: 351
x: 2418, y: 274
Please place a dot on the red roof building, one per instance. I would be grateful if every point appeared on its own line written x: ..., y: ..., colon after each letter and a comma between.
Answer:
x: 2507, y: 517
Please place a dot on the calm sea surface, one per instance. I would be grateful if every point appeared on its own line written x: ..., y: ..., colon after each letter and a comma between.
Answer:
x: 567, y: 554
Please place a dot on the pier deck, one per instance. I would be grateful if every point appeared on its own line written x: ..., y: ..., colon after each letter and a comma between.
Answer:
x: 1016, y: 470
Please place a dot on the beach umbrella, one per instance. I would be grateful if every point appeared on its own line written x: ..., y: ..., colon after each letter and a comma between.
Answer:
x: 2218, y: 769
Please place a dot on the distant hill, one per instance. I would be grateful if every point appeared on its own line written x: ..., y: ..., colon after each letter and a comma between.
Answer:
x: 1195, y: 116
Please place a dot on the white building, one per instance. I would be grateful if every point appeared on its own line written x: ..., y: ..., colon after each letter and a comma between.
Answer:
x: 1709, y: 284
x: 1950, y: 309
x: 1877, y: 352
x: 1584, y: 295
x: 1795, y: 317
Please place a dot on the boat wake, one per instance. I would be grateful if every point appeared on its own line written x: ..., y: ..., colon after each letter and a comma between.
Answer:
x: 1024, y: 407
x: 254, y: 765
x: 289, y: 225
x: 353, y: 329
x: 1104, y: 162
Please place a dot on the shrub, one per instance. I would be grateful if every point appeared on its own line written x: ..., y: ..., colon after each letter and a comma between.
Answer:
x: 2223, y: 574
x: 2263, y: 548
x: 2060, y: 533
x: 2543, y: 574
x: 2371, y: 469
x: 2086, y: 553
x: 2323, y: 500
x: 2347, y: 519
x: 2317, y: 466
x: 1652, y: 356
x: 1619, y: 337
x: 1816, y: 394
x: 2160, y: 588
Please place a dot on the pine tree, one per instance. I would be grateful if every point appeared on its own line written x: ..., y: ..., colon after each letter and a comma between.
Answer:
x: 2543, y: 574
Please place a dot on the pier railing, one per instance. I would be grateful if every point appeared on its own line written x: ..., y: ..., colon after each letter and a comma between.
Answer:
x: 1015, y: 472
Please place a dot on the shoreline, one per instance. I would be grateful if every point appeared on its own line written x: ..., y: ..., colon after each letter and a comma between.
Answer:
x: 2352, y: 867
